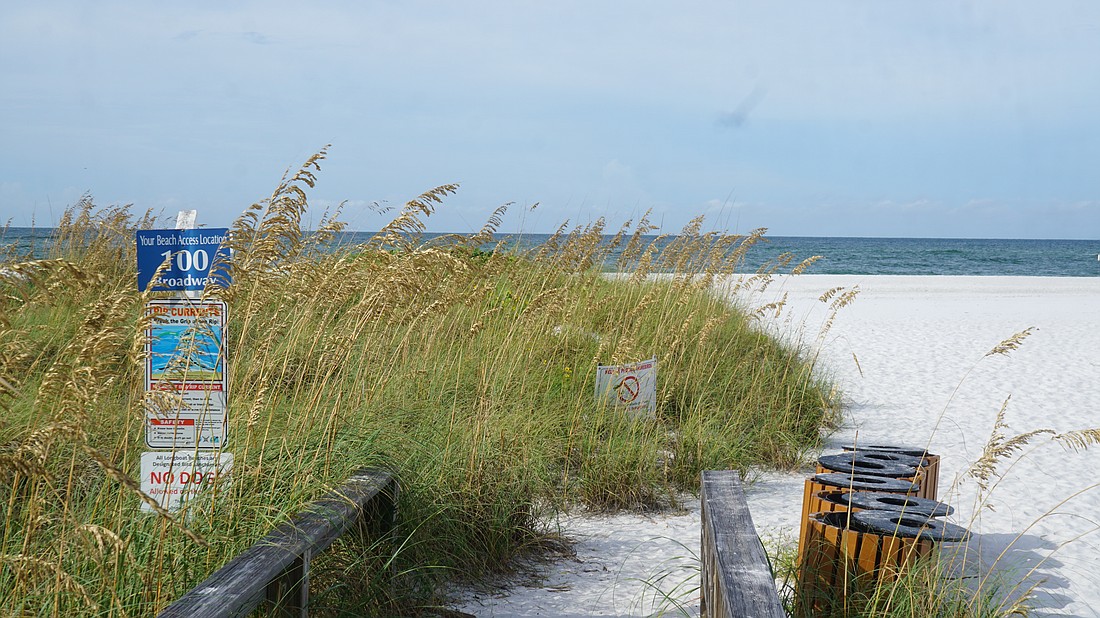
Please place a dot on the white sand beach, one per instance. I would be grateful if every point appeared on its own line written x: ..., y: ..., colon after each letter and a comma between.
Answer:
x: 909, y: 356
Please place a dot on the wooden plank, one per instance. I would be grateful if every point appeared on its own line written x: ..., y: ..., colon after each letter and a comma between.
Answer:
x: 737, y: 578
x: 288, y: 593
x: 283, y: 555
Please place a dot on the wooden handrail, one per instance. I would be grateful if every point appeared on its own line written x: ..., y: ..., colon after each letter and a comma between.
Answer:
x: 737, y: 580
x: 276, y: 568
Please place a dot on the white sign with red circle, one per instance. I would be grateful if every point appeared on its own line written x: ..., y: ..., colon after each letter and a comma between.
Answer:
x: 632, y: 386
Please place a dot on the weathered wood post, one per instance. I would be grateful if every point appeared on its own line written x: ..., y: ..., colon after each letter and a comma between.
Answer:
x: 737, y: 579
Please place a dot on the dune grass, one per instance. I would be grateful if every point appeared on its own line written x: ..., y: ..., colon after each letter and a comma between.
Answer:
x: 469, y: 373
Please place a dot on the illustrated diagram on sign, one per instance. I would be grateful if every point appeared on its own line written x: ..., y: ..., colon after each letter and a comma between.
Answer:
x: 632, y: 386
x: 185, y: 352
x: 185, y: 378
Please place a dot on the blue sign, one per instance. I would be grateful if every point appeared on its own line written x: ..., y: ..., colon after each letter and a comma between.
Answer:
x: 190, y: 253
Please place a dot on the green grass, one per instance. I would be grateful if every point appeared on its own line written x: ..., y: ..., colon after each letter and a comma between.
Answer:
x: 468, y: 373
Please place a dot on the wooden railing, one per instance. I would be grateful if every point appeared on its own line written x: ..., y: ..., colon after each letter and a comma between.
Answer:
x: 736, y: 576
x: 275, y: 570
x: 737, y: 580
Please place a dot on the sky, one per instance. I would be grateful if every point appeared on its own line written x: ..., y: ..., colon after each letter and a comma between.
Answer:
x: 940, y: 118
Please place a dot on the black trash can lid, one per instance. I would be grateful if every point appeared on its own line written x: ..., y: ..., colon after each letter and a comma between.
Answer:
x: 865, y: 482
x: 890, y: 448
x: 907, y: 526
x: 836, y: 519
x: 857, y: 463
x: 890, y: 502
x: 909, y: 460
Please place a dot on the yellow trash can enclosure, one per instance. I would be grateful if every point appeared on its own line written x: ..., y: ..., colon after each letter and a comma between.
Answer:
x: 839, y: 481
x: 847, y: 549
x: 867, y: 513
x: 862, y: 501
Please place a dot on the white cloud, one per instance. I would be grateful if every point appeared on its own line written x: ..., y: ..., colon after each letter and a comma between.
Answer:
x: 577, y: 104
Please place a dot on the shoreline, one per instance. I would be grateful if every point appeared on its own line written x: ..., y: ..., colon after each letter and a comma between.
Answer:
x: 909, y: 357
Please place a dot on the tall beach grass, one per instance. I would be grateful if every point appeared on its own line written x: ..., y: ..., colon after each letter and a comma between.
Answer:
x: 467, y: 372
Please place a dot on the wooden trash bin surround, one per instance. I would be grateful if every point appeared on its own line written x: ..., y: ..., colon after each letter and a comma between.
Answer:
x: 857, y: 501
x: 837, y: 481
x: 846, y: 549
x: 873, y: 463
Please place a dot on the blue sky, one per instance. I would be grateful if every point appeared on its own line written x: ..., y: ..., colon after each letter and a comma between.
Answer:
x: 938, y: 118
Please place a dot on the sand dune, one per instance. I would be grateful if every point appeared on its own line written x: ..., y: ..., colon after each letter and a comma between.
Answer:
x: 910, y: 357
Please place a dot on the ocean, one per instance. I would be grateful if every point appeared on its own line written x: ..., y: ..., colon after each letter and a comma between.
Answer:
x: 841, y: 256
x: 943, y: 256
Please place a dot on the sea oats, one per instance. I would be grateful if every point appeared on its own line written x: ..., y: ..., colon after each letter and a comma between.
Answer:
x: 38, y: 569
x: 485, y: 235
x: 134, y: 487
x: 1079, y: 440
x: 259, y: 402
x: 634, y: 246
x: 1012, y: 343
x: 775, y: 308
x: 103, y: 539
x: 405, y: 231
x: 1000, y: 447
x: 644, y: 267
x: 428, y: 357
x: 805, y: 264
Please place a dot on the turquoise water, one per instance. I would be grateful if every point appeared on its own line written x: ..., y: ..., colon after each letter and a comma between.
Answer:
x: 171, y: 341
x: 937, y: 256
x: 862, y: 256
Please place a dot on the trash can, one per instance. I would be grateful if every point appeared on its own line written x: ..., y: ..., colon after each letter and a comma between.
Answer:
x: 848, y: 550
x: 863, y: 501
x: 854, y: 471
x: 929, y: 466
x: 861, y: 462
x: 840, y: 481
x: 908, y: 526
x: 873, y: 463
x: 900, y: 449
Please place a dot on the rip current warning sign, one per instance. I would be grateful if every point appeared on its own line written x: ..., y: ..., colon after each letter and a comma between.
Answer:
x: 185, y: 381
x: 632, y: 386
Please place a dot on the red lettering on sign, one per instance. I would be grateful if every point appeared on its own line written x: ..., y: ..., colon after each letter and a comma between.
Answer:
x: 213, y: 387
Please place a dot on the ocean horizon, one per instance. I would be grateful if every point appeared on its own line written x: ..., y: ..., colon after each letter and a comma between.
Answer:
x: 841, y: 255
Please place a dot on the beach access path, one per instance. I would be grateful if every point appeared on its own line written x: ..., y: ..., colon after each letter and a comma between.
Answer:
x: 910, y: 357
